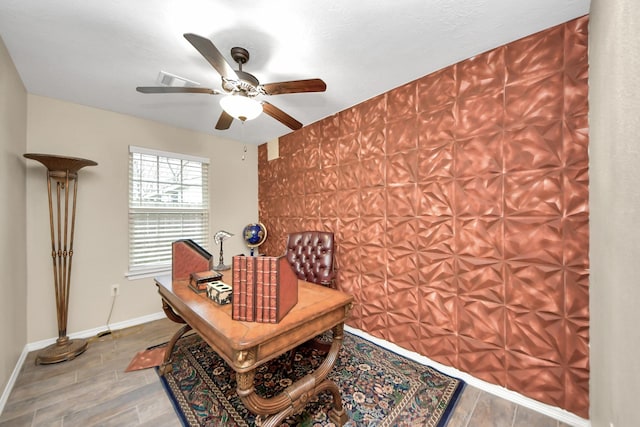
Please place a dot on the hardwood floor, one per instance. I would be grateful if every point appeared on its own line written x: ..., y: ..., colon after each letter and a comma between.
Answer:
x: 94, y: 390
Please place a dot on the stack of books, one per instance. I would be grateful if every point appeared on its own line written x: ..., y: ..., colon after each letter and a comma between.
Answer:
x: 265, y: 288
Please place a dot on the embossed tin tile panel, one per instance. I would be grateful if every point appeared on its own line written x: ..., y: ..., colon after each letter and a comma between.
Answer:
x: 401, y: 102
x: 459, y: 203
x: 437, y: 91
x: 440, y: 344
x: 402, y: 167
x: 483, y: 74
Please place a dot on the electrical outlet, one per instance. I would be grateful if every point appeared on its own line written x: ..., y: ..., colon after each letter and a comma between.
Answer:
x: 115, y: 290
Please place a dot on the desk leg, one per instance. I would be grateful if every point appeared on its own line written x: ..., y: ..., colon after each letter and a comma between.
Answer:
x: 171, y: 315
x: 298, y: 394
x: 166, y: 366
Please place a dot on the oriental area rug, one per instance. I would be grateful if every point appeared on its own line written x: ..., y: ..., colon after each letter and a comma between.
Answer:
x: 379, y: 387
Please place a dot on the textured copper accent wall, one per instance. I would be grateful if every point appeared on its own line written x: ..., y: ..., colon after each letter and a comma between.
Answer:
x: 460, y: 207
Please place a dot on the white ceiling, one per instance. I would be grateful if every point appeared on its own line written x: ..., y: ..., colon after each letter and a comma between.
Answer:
x: 95, y: 53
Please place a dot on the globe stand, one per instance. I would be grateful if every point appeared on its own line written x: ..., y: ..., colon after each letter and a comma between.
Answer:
x: 62, y: 178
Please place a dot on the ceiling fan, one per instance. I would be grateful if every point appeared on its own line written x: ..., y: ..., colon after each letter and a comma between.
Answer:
x: 240, y: 87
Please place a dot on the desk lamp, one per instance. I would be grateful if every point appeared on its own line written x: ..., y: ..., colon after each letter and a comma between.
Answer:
x: 220, y: 237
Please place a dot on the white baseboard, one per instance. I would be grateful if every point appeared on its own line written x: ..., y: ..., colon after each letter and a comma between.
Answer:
x: 93, y: 332
x: 551, y: 411
x: 83, y: 334
x: 12, y: 379
x: 548, y: 410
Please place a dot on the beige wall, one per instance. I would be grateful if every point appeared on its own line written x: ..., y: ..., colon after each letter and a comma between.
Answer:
x: 100, y: 247
x: 13, y: 286
x: 615, y: 209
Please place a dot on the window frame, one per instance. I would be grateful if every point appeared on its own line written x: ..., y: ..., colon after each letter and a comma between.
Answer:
x: 154, y: 210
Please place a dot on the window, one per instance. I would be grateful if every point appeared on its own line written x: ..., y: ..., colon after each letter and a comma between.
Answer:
x: 168, y: 201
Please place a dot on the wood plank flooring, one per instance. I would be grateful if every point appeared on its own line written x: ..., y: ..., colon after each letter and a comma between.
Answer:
x: 94, y: 390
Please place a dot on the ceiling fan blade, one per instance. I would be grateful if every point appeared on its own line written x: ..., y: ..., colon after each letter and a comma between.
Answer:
x: 169, y: 89
x: 212, y: 54
x: 295, y: 86
x: 224, y: 122
x: 281, y: 116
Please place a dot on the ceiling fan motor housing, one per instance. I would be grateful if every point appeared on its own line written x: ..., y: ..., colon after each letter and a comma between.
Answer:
x: 240, y: 55
x: 247, y: 83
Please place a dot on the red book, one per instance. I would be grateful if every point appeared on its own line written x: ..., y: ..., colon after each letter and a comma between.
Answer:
x: 250, y: 288
x: 265, y: 289
x: 283, y: 288
x: 259, y: 290
x: 239, y: 301
x: 235, y: 299
x: 243, y: 288
x: 273, y: 279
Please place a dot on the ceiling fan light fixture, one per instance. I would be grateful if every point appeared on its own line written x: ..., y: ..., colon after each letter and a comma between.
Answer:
x: 241, y: 107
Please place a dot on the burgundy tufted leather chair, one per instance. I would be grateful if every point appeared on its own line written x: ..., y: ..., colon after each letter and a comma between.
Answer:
x: 310, y: 253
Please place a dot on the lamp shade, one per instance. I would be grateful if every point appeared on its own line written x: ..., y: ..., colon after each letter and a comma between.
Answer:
x: 221, y: 235
x: 241, y: 107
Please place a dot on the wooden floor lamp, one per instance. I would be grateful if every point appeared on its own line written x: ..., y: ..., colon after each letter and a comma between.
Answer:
x: 62, y: 178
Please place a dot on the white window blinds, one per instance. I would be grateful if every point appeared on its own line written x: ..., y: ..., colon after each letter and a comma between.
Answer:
x: 168, y: 201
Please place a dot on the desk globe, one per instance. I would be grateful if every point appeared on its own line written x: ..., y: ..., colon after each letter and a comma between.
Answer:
x: 254, y: 235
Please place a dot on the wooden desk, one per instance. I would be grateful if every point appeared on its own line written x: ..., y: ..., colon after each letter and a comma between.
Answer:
x: 247, y: 345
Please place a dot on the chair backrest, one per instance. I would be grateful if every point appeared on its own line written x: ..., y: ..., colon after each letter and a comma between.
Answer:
x: 310, y: 253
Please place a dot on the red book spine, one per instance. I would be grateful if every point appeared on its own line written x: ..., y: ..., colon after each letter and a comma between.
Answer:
x: 243, y: 289
x: 265, y: 289
x: 273, y: 290
x: 251, y: 286
x: 259, y: 292
x: 235, y: 299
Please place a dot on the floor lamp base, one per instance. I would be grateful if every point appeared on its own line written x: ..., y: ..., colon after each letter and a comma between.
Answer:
x: 64, y: 349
